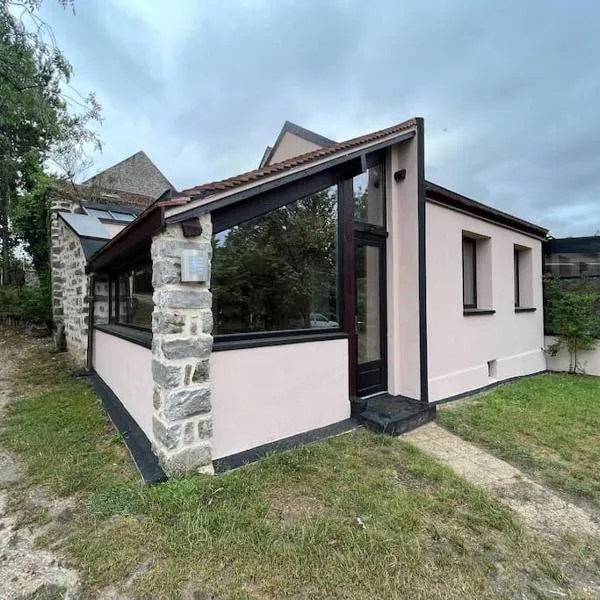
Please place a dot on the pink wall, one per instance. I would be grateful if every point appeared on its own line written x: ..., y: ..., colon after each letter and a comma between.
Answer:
x: 260, y: 395
x: 460, y: 346
x: 403, y: 273
x: 127, y: 370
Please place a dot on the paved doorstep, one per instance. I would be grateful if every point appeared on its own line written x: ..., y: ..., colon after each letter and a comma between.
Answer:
x: 541, y: 509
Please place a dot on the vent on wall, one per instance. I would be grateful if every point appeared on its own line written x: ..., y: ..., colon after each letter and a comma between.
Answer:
x: 492, y: 369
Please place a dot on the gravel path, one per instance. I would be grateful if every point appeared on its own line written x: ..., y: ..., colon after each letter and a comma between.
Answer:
x: 26, y: 572
x: 541, y: 509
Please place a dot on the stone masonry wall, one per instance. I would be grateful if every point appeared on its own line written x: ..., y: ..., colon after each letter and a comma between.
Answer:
x: 58, y: 245
x: 182, y: 343
x: 71, y: 283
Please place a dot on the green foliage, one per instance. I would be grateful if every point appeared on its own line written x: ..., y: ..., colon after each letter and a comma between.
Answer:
x: 31, y: 221
x: 572, y: 312
x: 38, y: 121
x: 548, y: 425
x: 287, y: 527
x: 273, y: 271
x: 36, y: 302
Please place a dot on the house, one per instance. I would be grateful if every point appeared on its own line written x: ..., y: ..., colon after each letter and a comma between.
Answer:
x: 270, y: 308
x: 83, y: 218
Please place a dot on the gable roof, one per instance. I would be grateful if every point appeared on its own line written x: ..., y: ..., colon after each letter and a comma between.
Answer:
x: 301, y: 132
x: 136, y: 174
x: 207, y: 189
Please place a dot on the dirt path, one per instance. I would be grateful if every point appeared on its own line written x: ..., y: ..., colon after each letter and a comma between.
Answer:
x: 26, y: 572
x: 541, y: 509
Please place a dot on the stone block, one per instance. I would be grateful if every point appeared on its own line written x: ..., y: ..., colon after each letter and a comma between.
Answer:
x: 165, y: 272
x: 189, y: 297
x: 191, y: 347
x: 204, y: 427
x: 166, y: 375
x: 167, y: 434
x: 166, y: 323
x: 201, y: 371
x: 193, y: 459
x: 189, y: 433
x: 186, y: 402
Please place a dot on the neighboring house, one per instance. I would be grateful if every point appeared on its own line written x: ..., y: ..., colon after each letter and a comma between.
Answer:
x: 424, y: 295
x: 136, y: 174
x: 84, y: 217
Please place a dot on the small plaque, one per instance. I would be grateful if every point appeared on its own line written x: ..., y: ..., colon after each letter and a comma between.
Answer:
x: 194, y: 265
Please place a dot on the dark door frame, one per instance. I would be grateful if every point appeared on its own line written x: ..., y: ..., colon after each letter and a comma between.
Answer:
x: 378, y: 241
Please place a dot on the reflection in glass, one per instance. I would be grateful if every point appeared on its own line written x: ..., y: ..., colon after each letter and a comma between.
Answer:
x: 369, y: 205
x: 368, y: 303
x: 135, y: 297
x: 278, y: 271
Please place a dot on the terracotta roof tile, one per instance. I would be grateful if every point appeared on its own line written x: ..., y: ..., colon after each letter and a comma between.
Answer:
x: 296, y: 161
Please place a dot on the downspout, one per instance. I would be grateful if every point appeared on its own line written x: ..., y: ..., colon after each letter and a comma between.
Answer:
x: 89, y: 367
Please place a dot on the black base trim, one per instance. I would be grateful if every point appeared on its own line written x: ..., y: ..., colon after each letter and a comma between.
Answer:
x: 470, y: 312
x: 240, y: 459
x: 525, y: 309
x: 135, y: 439
x: 135, y: 335
x: 220, y: 345
x: 485, y: 388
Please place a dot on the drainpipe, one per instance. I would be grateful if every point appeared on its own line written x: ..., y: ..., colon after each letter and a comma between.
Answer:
x: 89, y: 367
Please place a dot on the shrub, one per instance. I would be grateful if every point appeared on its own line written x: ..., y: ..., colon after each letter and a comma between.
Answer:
x: 572, y: 310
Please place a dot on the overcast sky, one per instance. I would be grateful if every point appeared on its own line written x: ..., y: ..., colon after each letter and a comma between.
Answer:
x: 510, y: 90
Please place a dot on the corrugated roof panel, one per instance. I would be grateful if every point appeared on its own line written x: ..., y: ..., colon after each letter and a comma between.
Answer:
x: 85, y: 225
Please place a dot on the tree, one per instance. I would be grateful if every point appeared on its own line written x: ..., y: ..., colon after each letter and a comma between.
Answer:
x: 572, y: 314
x: 271, y: 272
x: 41, y: 121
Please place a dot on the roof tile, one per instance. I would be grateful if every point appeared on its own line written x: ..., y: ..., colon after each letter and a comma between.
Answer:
x: 297, y: 161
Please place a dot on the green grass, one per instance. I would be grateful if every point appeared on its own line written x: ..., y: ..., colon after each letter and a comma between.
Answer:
x: 356, y: 517
x: 548, y: 425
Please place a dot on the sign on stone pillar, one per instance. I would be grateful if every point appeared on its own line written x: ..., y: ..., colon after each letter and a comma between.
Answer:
x: 181, y: 347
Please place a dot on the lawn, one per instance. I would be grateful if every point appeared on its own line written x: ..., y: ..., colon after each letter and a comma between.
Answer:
x: 547, y: 425
x: 356, y: 517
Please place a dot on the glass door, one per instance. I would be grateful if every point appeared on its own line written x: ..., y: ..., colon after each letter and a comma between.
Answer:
x: 370, y: 314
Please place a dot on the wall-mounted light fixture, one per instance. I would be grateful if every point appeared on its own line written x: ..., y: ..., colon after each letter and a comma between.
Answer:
x: 400, y: 175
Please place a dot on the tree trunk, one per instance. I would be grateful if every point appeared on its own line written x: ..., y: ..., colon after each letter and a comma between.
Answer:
x: 5, y: 242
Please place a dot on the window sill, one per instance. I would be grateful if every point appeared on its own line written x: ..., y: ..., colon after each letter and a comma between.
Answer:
x: 222, y: 343
x: 135, y: 335
x: 471, y: 312
x: 525, y: 309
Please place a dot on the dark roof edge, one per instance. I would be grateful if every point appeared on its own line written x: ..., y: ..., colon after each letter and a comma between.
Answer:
x: 302, y: 132
x: 457, y: 201
x: 265, y: 157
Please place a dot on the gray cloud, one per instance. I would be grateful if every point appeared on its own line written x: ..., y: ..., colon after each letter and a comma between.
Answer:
x: 509, y: 91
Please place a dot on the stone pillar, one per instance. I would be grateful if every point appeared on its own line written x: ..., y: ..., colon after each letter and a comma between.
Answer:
x: 181, y: 347
x: 57, y: 248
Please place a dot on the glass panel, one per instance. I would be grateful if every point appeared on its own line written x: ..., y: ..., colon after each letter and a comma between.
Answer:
x: 517, y: 282
x: 369, y: 197
x: 368, y: 303
x: 469, y: 295
x: 119, y: 216
x: 278, y: 271
x: 135, y: 297
x: 101, y: 214
x: 578, y: 264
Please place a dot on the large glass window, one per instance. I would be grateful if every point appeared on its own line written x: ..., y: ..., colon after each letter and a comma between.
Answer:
x: 469, y: 260
x: 278, y: 271
x: 131, y: 297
